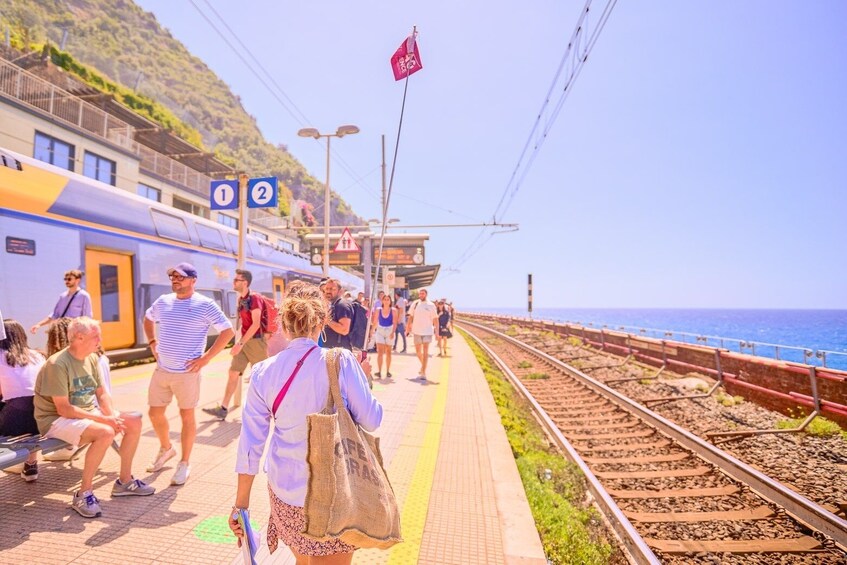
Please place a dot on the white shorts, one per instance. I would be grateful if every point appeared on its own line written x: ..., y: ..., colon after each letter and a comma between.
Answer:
x: 70, y: 429
x: 420, y: 339
x: 382, y: 335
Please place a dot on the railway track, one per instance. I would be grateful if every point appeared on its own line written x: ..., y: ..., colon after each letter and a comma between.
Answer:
x: 670, y: 496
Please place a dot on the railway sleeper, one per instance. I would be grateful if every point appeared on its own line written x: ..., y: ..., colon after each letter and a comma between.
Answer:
x: 571, y: 427
x: 658, y: 458
x: 629, y: 494
x: 628, y: 447
x: 699, y: 471
x: 803, y: 544
x: 759, y: 513
x: 613, y: 435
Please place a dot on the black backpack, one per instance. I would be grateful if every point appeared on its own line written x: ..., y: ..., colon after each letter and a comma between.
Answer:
x: 358, y: 325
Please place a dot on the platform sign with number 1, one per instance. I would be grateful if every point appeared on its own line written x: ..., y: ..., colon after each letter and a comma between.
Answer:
x: 223, y: 195
x: 262, y: 193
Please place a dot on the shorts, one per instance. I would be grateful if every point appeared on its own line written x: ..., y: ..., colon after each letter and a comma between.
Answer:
x: 286, y: 523
x: 165, y: 385
x: 70, y: 430
x: 16, y: 417
x: 382, y: 335
x: 255, y: 350
x: 419, y: 339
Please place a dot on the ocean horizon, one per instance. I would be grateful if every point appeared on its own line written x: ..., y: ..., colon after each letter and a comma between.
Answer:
x: 823, y: 331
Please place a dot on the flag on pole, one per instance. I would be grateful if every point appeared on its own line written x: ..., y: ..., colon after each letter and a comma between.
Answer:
x: 406, y: 60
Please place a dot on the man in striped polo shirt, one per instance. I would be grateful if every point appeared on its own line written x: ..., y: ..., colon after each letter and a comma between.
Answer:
x: 184, y: 319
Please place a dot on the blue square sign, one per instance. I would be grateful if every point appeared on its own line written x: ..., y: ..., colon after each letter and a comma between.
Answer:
x: 262, y: 193
x: 224, y: 195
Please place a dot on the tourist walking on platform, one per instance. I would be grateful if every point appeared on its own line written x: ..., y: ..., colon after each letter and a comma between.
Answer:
x: 65, y: 408
x: 184, y: 319
x: 303, y: 364
x: 383, y: 328
x: 445, y: 327
x: 72, y: 303
x: 423, y: 325
x: 338, y: 325
x: 19, y: 366
x: 400, y: 305
x: 250, y: 347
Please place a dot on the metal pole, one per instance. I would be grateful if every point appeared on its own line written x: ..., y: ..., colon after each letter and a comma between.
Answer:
x: 242, y: 218
x: 326, y: 213
x: 384, y: 203
x: 529, y: 295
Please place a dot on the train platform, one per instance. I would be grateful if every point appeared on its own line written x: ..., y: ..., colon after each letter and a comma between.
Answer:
x: 445, y: 450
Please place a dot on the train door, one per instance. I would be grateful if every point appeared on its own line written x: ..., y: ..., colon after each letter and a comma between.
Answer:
x: 279, y: 289
x: 110, y: 285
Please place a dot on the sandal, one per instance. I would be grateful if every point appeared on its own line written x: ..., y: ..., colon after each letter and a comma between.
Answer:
x: 377, y: 375
x: 388, y: 375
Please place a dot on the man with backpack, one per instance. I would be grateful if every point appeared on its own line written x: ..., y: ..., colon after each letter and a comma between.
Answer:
x: 359, y: 325
x: 251, y: 347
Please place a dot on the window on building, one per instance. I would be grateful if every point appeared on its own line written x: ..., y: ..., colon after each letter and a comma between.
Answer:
x: 228, y: 221
x: 191, y: 207
x: 96, y: 167
x: 53, y: 151
x: 259, y: 235
x: 149, y: 192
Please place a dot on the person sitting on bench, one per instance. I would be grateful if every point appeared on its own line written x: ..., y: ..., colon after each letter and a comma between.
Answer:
x: 65, y: 409
x: 19, y: 366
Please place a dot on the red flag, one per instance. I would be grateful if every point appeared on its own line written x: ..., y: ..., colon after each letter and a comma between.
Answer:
x: 406, y: 60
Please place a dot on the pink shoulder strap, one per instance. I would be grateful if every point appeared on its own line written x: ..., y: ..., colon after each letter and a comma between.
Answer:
x: 287, y: 384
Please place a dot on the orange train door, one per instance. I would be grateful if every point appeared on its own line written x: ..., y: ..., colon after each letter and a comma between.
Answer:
x: 110, y: 285
x: 279, y: 289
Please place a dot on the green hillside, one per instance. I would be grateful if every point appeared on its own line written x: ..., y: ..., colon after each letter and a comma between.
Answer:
x: 114, y: 45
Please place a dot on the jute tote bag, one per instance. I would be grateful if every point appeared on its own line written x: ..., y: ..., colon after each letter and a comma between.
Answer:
x: 348, y: 494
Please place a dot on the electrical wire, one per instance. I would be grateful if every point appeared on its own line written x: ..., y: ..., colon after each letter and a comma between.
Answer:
x: 544, y: 122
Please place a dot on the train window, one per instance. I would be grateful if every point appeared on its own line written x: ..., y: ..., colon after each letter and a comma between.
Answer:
x: 210, y: 237
x: 54, y: 151
x: 109, y: 298
x: 231, y: 303
x: 170, y: 227
x: 233, y: 240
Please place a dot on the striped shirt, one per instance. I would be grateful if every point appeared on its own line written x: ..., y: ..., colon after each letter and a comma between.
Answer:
x: 183, y: 325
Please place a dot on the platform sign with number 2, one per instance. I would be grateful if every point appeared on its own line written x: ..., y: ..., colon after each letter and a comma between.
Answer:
x: 262, y: 193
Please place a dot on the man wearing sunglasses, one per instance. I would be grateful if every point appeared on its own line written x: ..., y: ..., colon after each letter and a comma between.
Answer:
x: 73, y: 303
x: 184, y: 318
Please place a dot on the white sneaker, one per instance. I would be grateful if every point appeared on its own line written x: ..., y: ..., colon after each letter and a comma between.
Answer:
x: 60, y: 454
x: 162, y: 458
x: 183, y: 469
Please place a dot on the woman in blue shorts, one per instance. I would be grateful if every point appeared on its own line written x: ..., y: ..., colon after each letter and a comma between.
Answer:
x: 384, y: 325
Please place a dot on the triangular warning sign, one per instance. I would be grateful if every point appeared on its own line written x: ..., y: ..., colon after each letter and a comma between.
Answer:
x: 346, y: 243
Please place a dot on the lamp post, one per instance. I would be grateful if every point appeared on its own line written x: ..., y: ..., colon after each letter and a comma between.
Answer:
x: 340, y: 132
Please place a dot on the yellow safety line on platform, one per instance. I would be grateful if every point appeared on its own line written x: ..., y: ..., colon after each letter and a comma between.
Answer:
x: 416, y: 505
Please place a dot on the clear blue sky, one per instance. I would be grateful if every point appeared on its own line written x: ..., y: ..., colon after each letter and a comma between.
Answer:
x: 700, y: 161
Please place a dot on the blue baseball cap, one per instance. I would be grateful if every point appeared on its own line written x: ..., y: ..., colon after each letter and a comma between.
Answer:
x: 184, y: 269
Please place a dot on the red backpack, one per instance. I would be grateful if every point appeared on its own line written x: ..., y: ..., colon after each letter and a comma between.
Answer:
x: 269, y: 319
x: 269, y: 323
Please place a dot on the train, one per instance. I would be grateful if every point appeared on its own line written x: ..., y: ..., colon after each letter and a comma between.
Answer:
x: 53, y: 220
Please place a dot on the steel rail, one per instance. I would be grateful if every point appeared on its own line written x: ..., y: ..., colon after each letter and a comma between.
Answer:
x: 801, y: 508
x: 637, y: 549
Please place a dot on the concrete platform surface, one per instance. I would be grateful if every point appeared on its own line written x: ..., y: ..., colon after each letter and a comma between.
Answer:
x: 444, y: 447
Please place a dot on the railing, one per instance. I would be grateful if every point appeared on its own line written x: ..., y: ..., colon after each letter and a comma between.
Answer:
x: 836, y: 359
x: 38, y: 93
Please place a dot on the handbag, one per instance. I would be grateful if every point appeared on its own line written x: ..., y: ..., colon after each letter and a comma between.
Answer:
x: 348, y: 494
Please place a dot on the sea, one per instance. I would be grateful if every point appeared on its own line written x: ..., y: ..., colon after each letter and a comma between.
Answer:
x: 816, y: 337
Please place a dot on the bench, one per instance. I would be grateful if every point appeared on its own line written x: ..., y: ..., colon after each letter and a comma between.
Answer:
x: 16, y: 450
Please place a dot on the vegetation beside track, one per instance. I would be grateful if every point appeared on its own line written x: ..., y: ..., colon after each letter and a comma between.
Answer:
x: 571, y: 530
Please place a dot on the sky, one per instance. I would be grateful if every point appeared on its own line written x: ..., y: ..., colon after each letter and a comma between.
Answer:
x: 700, y: 159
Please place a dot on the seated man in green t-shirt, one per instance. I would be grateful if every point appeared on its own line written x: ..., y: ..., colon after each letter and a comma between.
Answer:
x: 65, y: 408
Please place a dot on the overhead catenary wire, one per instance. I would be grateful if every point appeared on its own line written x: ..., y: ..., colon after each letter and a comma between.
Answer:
x: 289, y: 107
x: 573, y: 60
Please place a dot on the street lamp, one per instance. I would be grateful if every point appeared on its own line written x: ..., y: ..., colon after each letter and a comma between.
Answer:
x: 340, y: 132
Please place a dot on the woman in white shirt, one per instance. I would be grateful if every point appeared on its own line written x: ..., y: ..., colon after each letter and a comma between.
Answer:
x: 19, y: 366
x: 303, y: 315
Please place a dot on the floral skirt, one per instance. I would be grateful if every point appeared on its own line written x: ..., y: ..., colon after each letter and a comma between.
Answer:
x: 286, y: 523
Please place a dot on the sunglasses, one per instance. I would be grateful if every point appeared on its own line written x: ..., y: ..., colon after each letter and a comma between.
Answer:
x: 239, y: 280
x: 70, y: 278
x: 177, y: 278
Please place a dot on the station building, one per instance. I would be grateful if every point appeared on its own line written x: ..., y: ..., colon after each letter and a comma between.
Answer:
x: 48, y: 114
